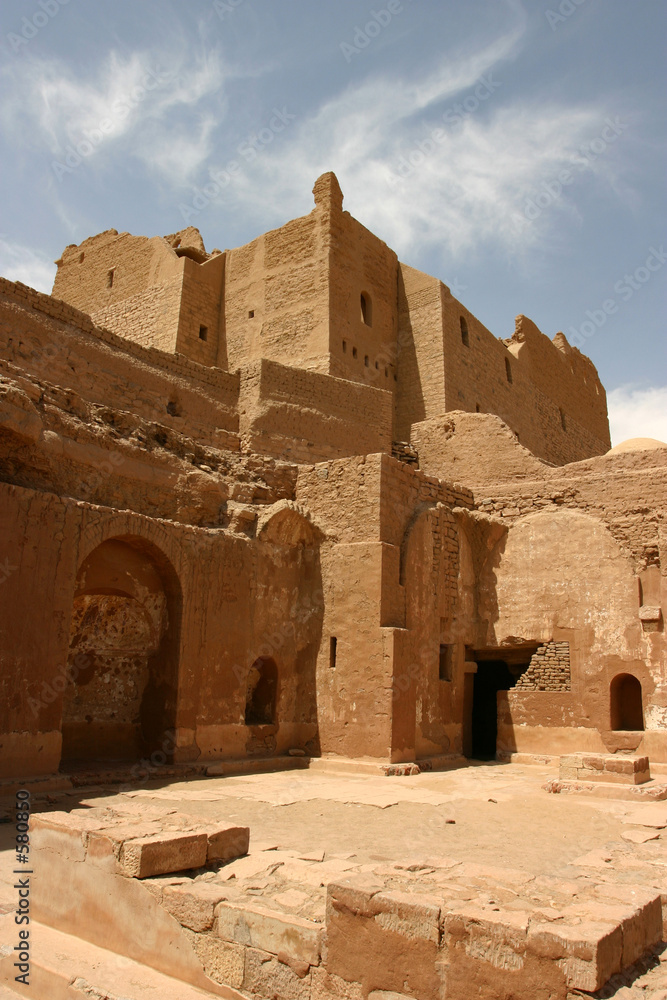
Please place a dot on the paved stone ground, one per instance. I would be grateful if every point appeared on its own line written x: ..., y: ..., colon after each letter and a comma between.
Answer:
x: 308, y: 828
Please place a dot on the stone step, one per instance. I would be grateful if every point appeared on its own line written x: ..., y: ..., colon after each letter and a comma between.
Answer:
x: 66, y: 968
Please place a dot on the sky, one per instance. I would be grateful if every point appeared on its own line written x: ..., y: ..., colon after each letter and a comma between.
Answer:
x: 515, y: 150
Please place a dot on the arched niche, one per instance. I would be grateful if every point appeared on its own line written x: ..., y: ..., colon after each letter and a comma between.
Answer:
x: 120, y: 699
x: 625, y: 704
x: 262, y: 692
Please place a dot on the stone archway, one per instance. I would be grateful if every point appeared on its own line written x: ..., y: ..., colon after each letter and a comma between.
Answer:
x: 120, y: 700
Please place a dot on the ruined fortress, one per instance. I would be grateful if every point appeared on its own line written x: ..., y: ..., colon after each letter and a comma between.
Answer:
x: 293, y: 504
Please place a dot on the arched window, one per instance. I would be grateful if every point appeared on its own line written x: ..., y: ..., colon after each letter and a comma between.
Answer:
x: 261, y: 693
x: 366, y: 309
x: 465, y: 339
x: 625, y: 695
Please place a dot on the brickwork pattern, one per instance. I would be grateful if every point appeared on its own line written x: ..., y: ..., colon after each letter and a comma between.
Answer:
x: 549, y: 669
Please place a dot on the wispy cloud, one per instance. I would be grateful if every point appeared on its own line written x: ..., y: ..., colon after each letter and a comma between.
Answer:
x: 141, y: 105
x: 20, y: 263
x: 468, y: 191
x: 636, y: 411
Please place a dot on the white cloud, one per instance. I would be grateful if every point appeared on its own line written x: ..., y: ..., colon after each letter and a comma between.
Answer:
x: 469, y: 191
x: 637, y: 412
x: 20, y: 263
x: 131, y: 104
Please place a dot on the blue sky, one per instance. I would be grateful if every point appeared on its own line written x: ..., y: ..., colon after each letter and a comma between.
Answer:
x: 515, y: 150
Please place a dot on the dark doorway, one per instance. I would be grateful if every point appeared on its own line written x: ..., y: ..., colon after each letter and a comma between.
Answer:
x: 626, y: 704
x: 498, y: 669
x: 262, y: 693
x: 492, y: 676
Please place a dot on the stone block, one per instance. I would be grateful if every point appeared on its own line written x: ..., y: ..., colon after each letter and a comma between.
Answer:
x: 265, y: 976
x: 163, y: 853
x: 193, y: 903
x: 588, y: 954
x: 227, y: 841
x: 270, y: 931
x: 223, y: 961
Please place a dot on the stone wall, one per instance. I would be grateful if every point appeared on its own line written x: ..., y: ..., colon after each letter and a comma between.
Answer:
x: 549, y: 669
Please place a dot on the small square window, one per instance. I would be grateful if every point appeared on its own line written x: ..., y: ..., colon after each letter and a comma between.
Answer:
x: 203, y: 333
x: 251, y: 313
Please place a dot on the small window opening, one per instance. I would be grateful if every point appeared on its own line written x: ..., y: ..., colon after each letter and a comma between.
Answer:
x: 354, y: 352
x: 477, y: 410
x: 508, y: 370
x: 377, y: 364
x: 110, y: 275
x: 445, y: 662
x: 626, y: 712
x: 345, y: 347
x: 173, y: 409
x: 203, y: 333
x: 562, y: 419
x: 465, y: 339
x: 366, y: 309
x: 251, y: 313
x: 366, y: 362
x: 81, y: 256
x: 260, y: 708
x: 386, y: 373
x: 395, y: 378
x: 333, y: 642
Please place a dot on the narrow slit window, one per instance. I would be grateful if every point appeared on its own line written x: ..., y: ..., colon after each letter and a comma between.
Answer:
x: 354, y: 352
x: 366, y: 361
x: 345, y: 347
x: 333, y: 642
x: 465, y: 339
x: 203, y: 333
x: 562, y: 419
x: 366, y: 309
x: 508, y: 370
x: 110, y: 277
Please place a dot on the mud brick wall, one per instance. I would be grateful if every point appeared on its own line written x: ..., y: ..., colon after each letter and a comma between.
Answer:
x: 57, y: 343
x: 149, y: 318
x: 625, y: 490
x: 549, y: 669
x: 308, y: 417
x: 276, y: 298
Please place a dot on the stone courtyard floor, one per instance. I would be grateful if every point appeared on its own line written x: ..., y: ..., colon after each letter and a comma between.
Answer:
x: 308, y: 828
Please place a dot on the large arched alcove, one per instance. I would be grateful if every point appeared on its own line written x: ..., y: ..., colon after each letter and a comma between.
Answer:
x: 281, y: 686
x: 120, y: 700
x: 625, y: 704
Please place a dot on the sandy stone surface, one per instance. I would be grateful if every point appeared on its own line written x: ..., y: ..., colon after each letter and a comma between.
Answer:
x: 493, y: 816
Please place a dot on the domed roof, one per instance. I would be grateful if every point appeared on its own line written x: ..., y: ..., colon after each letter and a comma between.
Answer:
x: 637, y: 444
